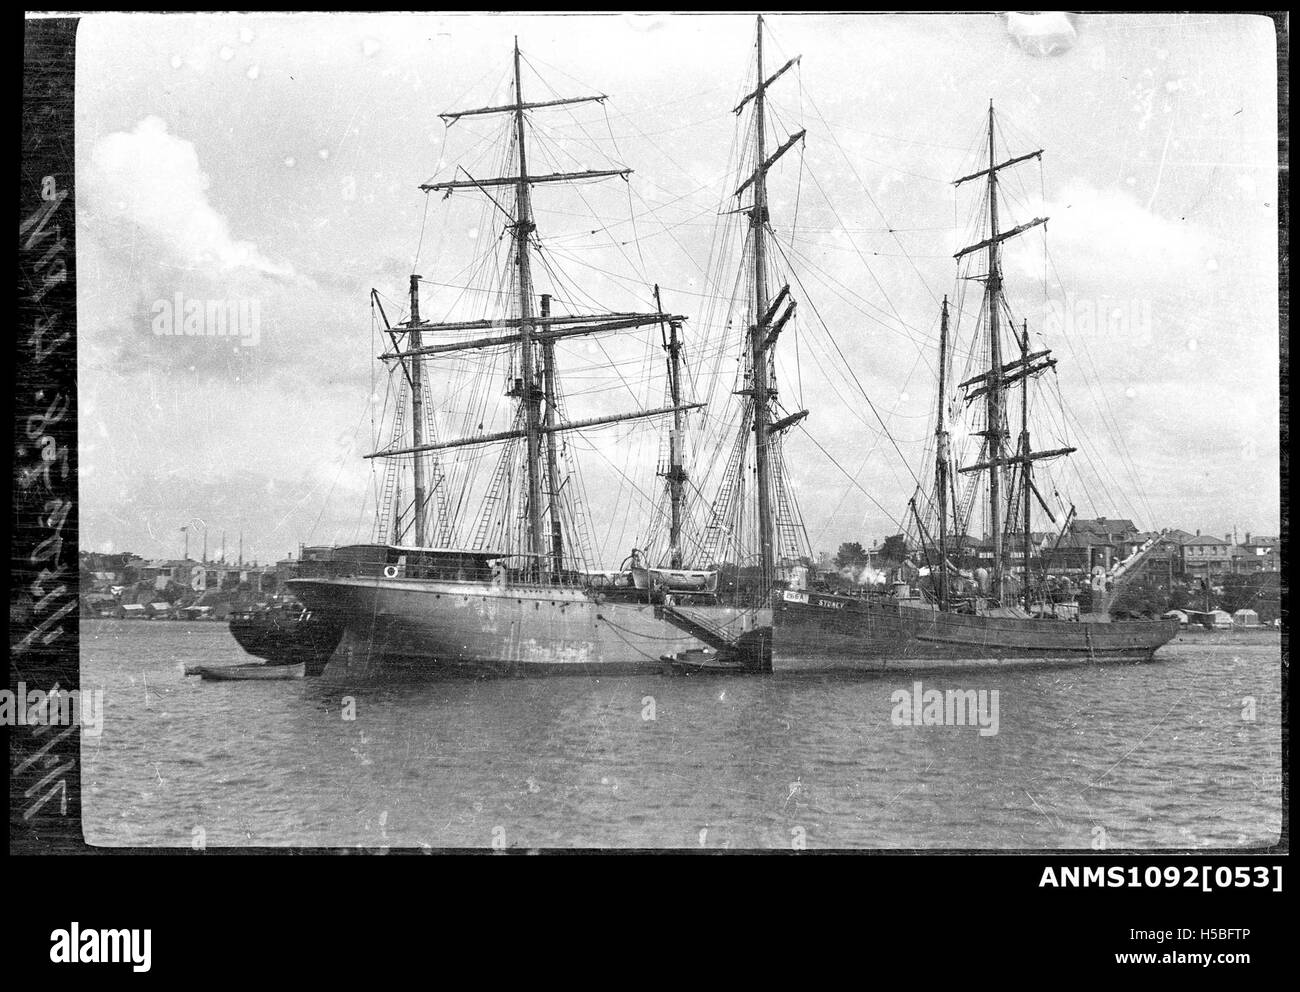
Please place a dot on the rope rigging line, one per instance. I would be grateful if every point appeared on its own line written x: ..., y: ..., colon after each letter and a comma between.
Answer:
x: 851, y: 479
x: 871, y: 199
x: 847, y: 367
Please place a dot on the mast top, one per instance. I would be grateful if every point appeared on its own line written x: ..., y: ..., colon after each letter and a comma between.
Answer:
x: 991, y: 172
x: 518, y: 106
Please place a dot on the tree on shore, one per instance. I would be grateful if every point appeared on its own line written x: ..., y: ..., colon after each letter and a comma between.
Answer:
x: 894, y: 550
x: 1253, y: 591
x: 851, y: 554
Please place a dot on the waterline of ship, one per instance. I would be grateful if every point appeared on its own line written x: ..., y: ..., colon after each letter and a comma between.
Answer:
x: 398, y: 627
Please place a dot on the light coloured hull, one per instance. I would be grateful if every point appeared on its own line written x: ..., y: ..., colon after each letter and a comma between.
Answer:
x: 830, y: 633
x: 412, y: 627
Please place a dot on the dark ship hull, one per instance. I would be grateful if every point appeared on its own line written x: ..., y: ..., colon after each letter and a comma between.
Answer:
x: 287, y: 635
x: 815, y: 631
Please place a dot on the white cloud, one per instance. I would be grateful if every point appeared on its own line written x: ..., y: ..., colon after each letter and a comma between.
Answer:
x: 1103, y: 231
x: 153, y: 179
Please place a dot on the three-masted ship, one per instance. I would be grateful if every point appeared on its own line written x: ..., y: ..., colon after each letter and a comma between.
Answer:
x: 980, y: 615
x: 426, y: 601
x: 734, y: 594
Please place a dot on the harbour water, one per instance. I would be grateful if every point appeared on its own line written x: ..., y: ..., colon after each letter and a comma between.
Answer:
x: 1184, y: 752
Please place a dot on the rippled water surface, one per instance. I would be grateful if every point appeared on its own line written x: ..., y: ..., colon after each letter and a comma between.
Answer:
x: 1158, y: 755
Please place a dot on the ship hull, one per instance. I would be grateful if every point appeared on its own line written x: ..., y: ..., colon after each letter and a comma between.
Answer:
x: 831, y: 633
x: 397, y: 628
x: 307, y: 640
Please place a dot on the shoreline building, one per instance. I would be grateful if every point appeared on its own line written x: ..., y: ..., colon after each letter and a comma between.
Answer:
x: 1205, y: 557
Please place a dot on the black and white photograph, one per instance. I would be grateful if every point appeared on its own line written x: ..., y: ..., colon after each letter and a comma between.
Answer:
x: 662, y: 431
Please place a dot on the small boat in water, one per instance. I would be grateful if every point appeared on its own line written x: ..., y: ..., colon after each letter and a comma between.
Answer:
x: 706, y: 662
x: 252, y: 671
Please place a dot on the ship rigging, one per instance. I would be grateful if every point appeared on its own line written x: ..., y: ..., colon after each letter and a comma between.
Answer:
x: 753, y: 521
x: 531, y: 332
x: 1007, y: 474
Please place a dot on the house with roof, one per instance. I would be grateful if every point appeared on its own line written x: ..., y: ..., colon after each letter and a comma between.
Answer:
x: 963, y: 547
x: 98, y: 604
x: 1204, y: 556
x: 1165, y: 556
x: 115, y: 564
x: 1259, y: 554
x: 1168, y: 552
x: 1015, y: 549
x: 164, y: 570
x: 1073, y: 553
x: 1120, y: 534
x: 1088, y: 543
x: 1168, y: 546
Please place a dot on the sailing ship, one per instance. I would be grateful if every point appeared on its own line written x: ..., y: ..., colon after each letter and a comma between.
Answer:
x: 962, y: 618
x: 729, y: 588
x: 417, y: 600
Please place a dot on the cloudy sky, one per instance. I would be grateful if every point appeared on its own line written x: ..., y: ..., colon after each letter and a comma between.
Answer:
x: 277, y: 160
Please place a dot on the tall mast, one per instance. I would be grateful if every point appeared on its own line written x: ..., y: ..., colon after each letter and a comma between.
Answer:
x: 758, y: 220
x: 552, y: 444
x: 1027, y: 466
x: 676, y: 473
x: 532, y: 401
x: 994, y: 383
x: 768, y: 320
x: 993, y: 433
x: 526, y: 332
x: 941, y: 460
x: 417, y: 412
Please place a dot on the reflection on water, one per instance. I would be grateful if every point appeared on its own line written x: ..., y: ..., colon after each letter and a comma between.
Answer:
x: 1159, y: 755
